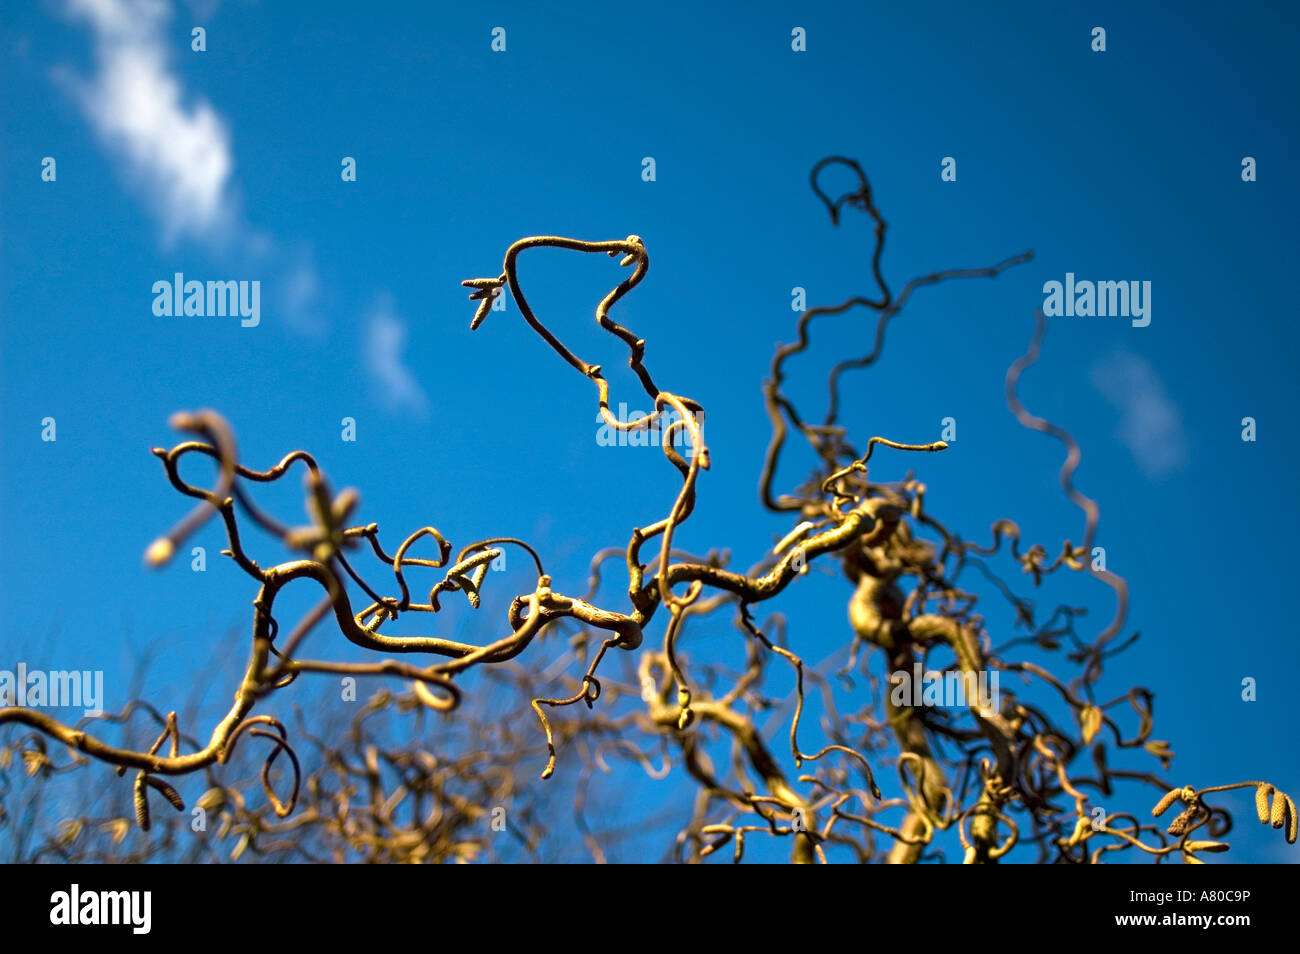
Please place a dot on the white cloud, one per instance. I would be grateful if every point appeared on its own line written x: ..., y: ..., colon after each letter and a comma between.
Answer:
x: 395, y: 385
x: 1150, y: 424
x: 175, y: 148
x: 177, y: 154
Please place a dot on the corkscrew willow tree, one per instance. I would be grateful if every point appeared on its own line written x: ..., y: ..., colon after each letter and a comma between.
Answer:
x: 1003, y: 774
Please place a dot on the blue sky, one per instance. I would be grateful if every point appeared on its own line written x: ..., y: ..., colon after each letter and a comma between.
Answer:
x: 225, y: 164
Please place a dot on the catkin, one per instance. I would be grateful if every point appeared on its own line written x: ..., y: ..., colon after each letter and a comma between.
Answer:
x: 1162, y: 806
x: 1261, y: 802
x: 168, y: 792
x: 1180, y: 824
x: 141, y: 803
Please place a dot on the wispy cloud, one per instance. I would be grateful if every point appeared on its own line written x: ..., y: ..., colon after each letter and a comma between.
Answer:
x: 174, y: 148
x: 1150, y: 424
x: 396, y: 386
x: 177, y: 153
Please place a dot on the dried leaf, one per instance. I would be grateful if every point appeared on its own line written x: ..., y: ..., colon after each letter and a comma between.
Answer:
x: 212, y: 798
x: 118, y: 828
x: 69, y: 830
x: 1090, y: 720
